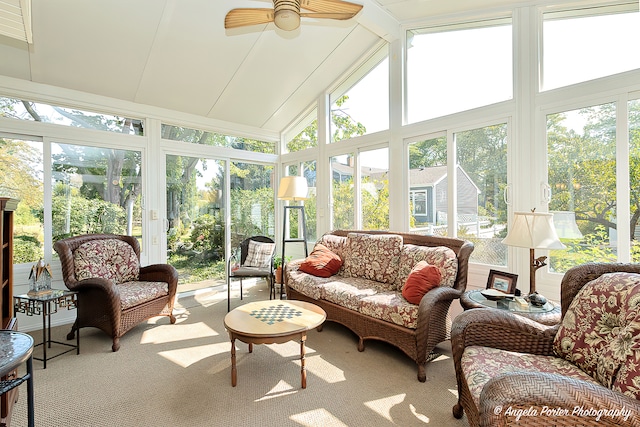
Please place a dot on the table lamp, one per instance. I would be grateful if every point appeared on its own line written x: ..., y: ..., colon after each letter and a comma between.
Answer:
x: 533, y: 230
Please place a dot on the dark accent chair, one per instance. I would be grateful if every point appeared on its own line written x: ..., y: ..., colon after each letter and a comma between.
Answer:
x: 236, y: 268
x: 114, y: 292
x: 521, y: 372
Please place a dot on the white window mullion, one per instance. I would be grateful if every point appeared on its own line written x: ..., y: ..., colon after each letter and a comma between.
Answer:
x: 622, y: 182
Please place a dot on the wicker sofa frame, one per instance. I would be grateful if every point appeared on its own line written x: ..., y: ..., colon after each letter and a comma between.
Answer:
x: 527, y: 390
x: 434, y: 321
x: 98, y: 299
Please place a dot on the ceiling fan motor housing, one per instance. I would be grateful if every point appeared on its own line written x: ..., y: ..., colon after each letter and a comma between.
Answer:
x: 287, y: 14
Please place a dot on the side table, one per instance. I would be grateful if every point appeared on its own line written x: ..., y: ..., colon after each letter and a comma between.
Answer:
x: 549, y: 314
x: 15, y: 349
x: 46, y: 305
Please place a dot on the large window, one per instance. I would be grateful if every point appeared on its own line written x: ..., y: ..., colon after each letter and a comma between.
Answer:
x: 581, y: 149
x: 252, y: 201
x: 456, y: 68
x: 95, y: 190
x: 46, y: 113
x: 308, y: 170
x: 360, y: 105
x: 203, y: 137
x: 195, y: 214
x: 585, y: 44
x: 427, y: 187
x: 374, y: 189
x: 22, y: 178
x: 481, y: 185
x: 342, y: 192
x: 305, y: 133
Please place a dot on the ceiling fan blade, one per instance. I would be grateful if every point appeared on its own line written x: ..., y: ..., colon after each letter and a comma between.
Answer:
x: 331, y: 6
x: 319, y: 15
x: 249, y: 16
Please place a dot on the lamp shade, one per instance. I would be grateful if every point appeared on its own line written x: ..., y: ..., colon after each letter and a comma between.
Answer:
x: 533, y: 230
x: 293, y: 188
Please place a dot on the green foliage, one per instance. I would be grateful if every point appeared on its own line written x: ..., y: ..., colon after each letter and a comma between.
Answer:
x: 192, y: 269
x: 277, y: 260
x: 207, y: 237
x: 252, y: 212
x: 344, y: 127
x: 308, y: 138
x: 26, y: 249
x: 592, y: 247
x: 73, y: 214
x: 375, y: 203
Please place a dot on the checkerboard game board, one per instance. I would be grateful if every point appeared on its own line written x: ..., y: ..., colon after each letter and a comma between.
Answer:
x: 274, y: 314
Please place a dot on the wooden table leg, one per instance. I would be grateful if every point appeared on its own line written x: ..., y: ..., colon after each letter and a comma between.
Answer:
x: 303, y: 369
x: 234, y: 372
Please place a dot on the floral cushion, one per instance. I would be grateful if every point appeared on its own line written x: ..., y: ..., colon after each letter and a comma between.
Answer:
x: 480, y: 364
x: 110, y: 259
x: 441, y: 256
x: 373, y: 257
x: 304, y: 283
x: 390, y: 306
x: 600, y: 332
x: 335, y: 243
x: 134, y: 293
x: 348, y: 291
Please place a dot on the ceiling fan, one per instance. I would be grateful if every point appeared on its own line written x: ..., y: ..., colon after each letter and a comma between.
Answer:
x: 286, y: 13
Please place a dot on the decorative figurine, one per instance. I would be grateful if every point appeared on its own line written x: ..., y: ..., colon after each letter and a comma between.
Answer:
x: 40, y: 279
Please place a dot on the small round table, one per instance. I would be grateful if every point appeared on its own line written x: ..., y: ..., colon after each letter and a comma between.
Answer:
x: 272, y: 322
x: 15, y: 349
x: 549, y: 314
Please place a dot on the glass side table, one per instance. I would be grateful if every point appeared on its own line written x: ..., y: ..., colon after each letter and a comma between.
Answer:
x: 548, y: 314
x: 46, y: 305
x: 15, y: 349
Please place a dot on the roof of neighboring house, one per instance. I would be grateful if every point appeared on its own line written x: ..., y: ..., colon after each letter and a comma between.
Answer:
x: 427, y: 176
x: 364, y: 170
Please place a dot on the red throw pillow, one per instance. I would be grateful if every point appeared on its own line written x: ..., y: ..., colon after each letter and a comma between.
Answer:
x: 422, y: 279
x: 321, y: 262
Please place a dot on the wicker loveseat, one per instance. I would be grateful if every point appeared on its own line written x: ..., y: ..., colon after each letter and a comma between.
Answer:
x: 365, y: 295
x: 114, y: 292
x: 584, y: 371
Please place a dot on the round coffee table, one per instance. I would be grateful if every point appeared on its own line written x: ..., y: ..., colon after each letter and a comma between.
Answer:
x: 549, y: 314
x: 272, y: 322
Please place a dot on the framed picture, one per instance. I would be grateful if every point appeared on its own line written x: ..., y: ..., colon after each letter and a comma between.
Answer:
x: 501, y: 281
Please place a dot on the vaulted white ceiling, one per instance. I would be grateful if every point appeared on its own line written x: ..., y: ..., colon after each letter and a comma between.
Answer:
x: 176, y: 54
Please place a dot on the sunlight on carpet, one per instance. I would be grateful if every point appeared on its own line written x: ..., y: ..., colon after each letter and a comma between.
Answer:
x: 317, y: 417
x: 383, y: 406
x: 188, y: 356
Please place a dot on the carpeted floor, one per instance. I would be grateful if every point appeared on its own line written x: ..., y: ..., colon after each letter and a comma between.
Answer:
x: 179, y: 375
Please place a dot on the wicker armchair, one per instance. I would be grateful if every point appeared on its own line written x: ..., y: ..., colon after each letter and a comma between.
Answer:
x: 556, y: 391
x: 114, y: 292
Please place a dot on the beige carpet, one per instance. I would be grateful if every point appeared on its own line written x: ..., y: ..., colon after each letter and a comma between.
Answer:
x: 179, y: 375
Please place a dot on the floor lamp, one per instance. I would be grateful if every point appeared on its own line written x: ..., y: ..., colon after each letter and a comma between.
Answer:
x: 533, y: 230
x: 293, y: 188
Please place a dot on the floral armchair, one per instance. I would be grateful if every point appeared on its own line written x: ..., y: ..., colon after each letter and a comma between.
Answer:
x: 114, y: 292
x: 584, y: 371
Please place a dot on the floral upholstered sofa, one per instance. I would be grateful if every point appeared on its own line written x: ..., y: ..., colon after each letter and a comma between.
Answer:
x: 584, y: 371
x: 393, y: 287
